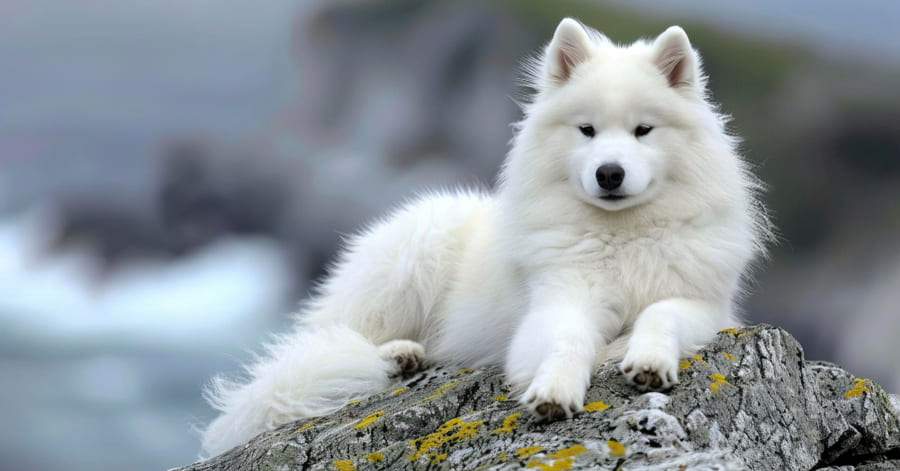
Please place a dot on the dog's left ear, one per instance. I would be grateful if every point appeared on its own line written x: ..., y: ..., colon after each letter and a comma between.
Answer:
x: 675, y: 59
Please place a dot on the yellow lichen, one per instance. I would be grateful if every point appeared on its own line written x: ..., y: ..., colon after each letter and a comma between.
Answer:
x: 556, y: 466
x: 728, y: 356
x: 500, y: 397
x: 369, y: 419
x: 596, y: 406
x: 502, y: 456
x: 859, y: 387
x: 699, y: 357
x: 718, y: 380
x: 615, y: 448
x: 441, y: 389
x: 464, y: 370
x: 375, y: 457
x: 355, y: 401
x: 527, y: 451
x: 567, y: 452
x: 344, y: 465
x: 509, y: 423
x: 453, y: 429
x: 730, y: 330
x: 684, y: 364
x: 304, y: 427
x: 398, y: 390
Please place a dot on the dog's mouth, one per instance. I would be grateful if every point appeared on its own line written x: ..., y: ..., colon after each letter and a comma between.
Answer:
x: 612, y: 197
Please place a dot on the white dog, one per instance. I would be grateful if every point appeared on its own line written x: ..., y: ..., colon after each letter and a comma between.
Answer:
x: 621, y: 228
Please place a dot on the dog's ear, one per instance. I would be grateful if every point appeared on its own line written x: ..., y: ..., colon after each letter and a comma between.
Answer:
x: 569, y: 47
x: 675, y: 59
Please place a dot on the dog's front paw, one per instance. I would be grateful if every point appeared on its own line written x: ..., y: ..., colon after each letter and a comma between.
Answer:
x: 650, y: 370
x: 556, y: 400
x: 408, y: 356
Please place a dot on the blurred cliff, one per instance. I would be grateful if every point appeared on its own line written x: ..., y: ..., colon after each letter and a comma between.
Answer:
x: 172, y: 177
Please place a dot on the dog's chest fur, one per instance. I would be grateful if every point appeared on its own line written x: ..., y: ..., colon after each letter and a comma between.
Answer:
x: 628, y: 270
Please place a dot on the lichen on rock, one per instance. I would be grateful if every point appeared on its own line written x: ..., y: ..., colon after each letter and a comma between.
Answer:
x: 749, y: 400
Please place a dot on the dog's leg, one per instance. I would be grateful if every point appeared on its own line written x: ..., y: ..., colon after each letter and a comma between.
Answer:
x: 553, y: 354
x: 664, y: 332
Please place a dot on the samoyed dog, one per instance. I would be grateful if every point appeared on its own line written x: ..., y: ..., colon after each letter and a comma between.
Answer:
x: 621, y: 229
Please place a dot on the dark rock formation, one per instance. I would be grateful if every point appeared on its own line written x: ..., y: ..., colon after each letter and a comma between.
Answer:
x: 748, y: 401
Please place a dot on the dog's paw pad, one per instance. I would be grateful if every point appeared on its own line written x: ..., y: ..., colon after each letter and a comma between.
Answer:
x: 649, y: 379
x: 549, y: 406
x: 408, y: 356
x: 650, y: 374
x: 409, y: 363
x: 551, y: 411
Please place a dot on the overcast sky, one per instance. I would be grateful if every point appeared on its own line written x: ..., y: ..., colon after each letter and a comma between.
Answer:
x: 866, y: 29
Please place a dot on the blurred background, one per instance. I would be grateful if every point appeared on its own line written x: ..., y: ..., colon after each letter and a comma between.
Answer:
x: 174, y: 174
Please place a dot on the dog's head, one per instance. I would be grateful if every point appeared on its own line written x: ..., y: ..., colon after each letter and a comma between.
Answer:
x: 620, y: 117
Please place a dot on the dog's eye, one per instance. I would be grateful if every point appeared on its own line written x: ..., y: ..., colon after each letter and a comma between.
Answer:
x: 642, y: 130
x: 587, y: 130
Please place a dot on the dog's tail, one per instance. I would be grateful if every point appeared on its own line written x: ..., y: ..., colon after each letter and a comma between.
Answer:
x: 310, y: 373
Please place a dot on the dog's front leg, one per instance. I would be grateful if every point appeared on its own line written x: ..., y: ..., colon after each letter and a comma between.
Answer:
x: 552, y: 353
x: 664, y: 332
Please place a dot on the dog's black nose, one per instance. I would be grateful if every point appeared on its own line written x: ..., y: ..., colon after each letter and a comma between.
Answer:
x: 610, y: 176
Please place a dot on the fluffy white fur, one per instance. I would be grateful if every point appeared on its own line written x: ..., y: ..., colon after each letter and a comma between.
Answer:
x: 550, y: 274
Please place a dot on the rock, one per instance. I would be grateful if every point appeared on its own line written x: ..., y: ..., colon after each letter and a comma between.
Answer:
x: 747, y: 401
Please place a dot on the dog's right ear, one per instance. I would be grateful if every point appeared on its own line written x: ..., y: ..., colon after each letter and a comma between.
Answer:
x: 570, y: 46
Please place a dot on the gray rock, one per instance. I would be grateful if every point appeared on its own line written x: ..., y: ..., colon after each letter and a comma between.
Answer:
x: 747, y: 401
